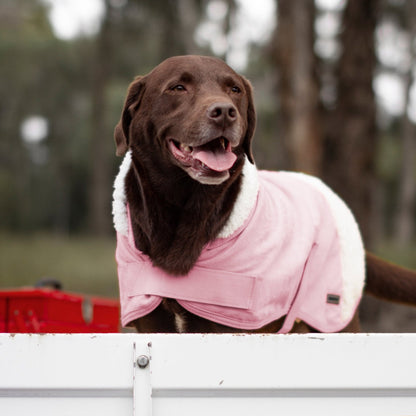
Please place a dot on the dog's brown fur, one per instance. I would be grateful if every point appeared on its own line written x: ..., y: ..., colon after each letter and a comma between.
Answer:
x: 174, y: 211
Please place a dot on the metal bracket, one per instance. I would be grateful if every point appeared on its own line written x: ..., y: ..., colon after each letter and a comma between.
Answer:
x: 142, y: 387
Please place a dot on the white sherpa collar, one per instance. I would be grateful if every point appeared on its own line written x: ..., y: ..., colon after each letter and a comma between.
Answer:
x: 120, y: 219
x: 245, y: 200
x: 242, y: 207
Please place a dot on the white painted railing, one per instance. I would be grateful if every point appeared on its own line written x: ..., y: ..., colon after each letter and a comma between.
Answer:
x: 142, y: 375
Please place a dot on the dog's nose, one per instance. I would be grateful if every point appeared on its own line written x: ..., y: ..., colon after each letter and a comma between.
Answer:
x: 222, y: 113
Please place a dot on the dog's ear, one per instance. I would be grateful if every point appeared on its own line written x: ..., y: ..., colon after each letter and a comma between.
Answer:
x: 132, y: 103
x: 251, y: 121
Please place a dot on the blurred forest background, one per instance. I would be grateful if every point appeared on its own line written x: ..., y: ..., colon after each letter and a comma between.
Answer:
x: 335, y: 95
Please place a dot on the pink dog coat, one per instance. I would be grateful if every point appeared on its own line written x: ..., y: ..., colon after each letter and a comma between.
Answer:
x: 291, y: 247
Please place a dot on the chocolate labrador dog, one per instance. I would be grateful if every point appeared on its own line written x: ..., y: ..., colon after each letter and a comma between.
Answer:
x: 206, y: 242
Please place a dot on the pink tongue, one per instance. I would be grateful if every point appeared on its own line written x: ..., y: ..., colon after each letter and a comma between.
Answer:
x: 218, y: 160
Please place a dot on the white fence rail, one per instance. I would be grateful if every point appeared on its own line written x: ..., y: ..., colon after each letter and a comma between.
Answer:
x: 127, y: 374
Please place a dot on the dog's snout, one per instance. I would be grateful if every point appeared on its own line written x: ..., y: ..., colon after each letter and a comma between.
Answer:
x: 222, y: 113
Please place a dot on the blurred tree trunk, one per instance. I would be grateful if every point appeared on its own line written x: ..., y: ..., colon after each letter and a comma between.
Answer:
x: 405, y: 214
x: 179, y: 21
x: 190, y: 14
x: 351, y: 141
x: 298, y: 85
x: 101, y: 146
x: 170, y: 11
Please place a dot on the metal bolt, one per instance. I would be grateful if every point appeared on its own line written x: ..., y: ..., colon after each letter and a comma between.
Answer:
x: 143, y: 361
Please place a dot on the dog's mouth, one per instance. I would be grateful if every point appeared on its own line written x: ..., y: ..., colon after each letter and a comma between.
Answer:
x: 216, y: 155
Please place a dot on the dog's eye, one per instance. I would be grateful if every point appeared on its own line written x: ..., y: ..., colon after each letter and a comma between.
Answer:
x: 236, y: 89
x: 178, y: 87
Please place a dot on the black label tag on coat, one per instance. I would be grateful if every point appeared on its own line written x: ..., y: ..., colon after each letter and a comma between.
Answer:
x: 334, y: 299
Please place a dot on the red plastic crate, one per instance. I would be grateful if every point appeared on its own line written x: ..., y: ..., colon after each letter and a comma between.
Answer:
x: 48, y: 310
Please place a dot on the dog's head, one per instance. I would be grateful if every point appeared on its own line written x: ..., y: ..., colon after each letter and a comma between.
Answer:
x: 196, y: 110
